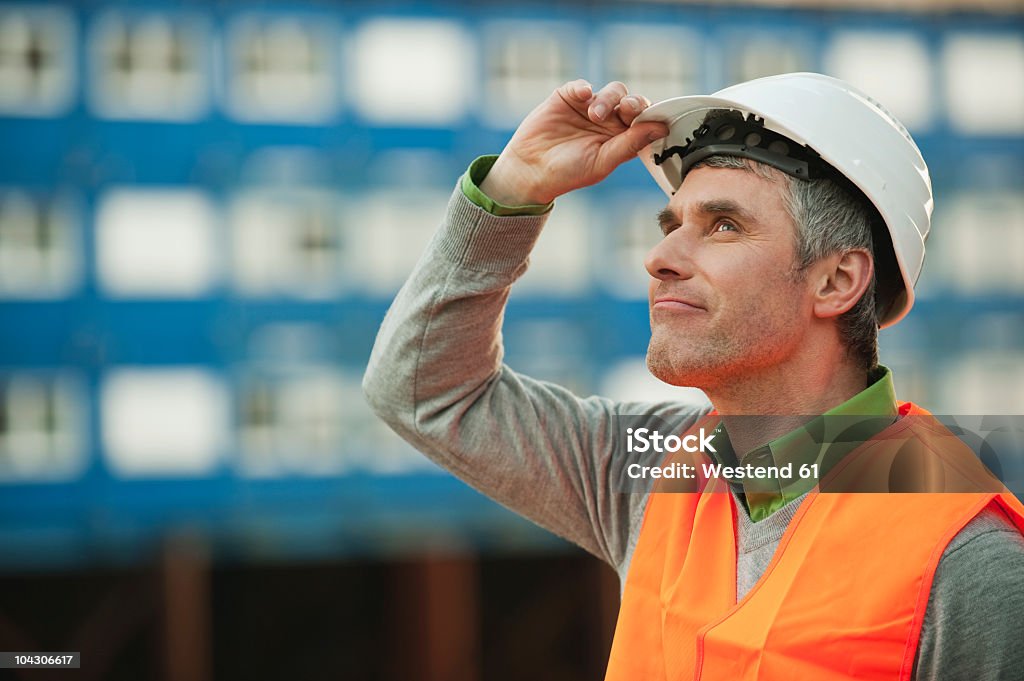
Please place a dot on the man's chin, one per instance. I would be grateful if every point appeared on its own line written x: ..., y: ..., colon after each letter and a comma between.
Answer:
x: 674, y: 371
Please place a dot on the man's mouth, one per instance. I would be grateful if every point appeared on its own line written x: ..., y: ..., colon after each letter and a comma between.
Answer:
x: 677, y: 304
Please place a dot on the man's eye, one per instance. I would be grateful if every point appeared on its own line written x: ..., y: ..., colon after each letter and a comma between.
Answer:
x: 725, y: 226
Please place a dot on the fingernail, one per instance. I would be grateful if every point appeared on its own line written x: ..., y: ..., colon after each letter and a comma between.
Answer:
x: 600, y: 110
x: 632, y: 103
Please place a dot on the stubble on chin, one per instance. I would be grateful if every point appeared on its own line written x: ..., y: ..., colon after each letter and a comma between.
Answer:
x: 659, y: 363
x: 687, y: 361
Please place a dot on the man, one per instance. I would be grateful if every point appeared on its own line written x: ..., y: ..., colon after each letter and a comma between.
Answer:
x: 795, y: 226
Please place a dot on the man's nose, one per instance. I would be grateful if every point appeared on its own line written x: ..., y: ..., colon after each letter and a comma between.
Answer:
x: 670, y: 259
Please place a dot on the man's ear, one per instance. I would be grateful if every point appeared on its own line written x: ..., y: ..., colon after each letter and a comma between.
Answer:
x: 840, y: 281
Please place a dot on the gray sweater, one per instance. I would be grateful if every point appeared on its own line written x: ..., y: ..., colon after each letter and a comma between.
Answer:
x: 436, y: 377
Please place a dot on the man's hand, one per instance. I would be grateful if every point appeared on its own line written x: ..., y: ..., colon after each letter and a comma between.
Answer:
x: 574, y: 139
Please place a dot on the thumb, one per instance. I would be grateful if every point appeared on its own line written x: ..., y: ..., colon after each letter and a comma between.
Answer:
x: 628, y: 144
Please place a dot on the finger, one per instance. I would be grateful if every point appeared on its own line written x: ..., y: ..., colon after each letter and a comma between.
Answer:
x: 630, y: 107
x: 605, y: 101
x: 628, y: 144
x: 579, y: 91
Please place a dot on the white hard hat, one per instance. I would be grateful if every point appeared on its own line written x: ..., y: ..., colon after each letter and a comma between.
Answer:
x: 837, y: 124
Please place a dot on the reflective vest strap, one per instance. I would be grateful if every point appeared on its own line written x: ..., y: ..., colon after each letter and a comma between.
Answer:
x: 1013, y: 508
x: 704, y: 585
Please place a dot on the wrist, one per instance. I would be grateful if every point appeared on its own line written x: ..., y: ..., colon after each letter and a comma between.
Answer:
x: 510, y: 185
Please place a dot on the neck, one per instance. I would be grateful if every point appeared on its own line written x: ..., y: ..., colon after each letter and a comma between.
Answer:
x: 803, y: 387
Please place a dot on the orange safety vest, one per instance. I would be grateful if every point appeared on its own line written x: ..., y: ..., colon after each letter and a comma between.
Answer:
x: 844, y: 595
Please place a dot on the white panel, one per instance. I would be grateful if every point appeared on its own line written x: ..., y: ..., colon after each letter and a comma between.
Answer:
x: 282, y: 69
x: 149, y: 66
x: 288, y: 243
x: 37, y: 53
x: 296, y: 424
x: 630, y: 381
x: 40, y: 247
x: 314, y: 420
x: 985, y: 243
x: 985, y: 83
x: 411, y: 72
x: 985, y: 383
x: 524, y: 62
x: 42, y: 437
x: 164, y: 422
x: 653, y: 61
x: 560, y: 263
x: 157, y: 243
x: 392, y: 229
x: 753, y: 56
x: 892, y: 68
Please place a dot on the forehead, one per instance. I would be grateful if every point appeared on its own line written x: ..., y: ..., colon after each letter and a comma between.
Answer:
x: 761, y: 198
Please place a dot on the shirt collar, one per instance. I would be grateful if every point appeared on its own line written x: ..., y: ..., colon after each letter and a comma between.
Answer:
x: 823, y: 440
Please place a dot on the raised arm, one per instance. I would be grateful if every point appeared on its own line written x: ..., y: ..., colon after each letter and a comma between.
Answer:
x: 436, y: 373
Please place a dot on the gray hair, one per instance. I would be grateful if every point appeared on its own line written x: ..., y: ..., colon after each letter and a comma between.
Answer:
x: 829, y: 219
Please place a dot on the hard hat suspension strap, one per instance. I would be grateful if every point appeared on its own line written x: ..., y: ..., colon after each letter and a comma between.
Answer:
x: 728, y: 133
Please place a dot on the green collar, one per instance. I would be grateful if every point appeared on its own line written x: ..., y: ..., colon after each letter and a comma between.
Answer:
x: 824, y: 440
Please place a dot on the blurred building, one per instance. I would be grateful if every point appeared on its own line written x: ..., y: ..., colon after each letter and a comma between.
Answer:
x: 205, y: 209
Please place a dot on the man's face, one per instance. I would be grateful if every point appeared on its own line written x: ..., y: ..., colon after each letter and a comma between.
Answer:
x: 726, y: 299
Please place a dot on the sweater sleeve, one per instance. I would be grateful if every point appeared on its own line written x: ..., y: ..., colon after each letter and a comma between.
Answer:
x: 436, y: 376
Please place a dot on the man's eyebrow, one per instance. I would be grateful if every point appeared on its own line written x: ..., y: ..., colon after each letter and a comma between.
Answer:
x: 667, y: 218
x: 724, y: 207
